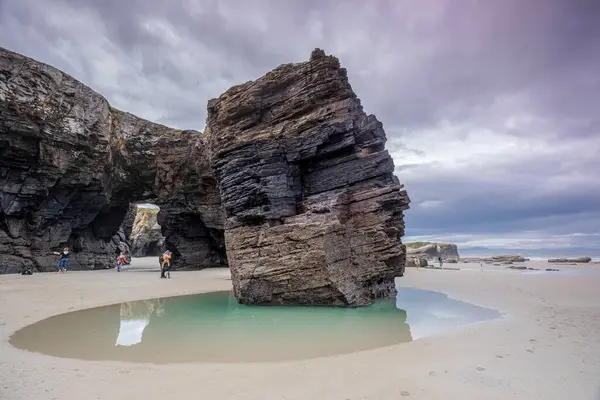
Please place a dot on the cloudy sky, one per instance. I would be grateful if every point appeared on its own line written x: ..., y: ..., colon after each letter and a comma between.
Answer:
x: 492, y: 108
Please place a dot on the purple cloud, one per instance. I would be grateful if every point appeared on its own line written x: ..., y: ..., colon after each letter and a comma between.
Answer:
x: 491, y: 107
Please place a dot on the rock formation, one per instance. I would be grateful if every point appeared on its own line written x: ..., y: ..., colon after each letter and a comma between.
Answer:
x: 431, y: 251
x: 70, y: 165
x: 313, y: 212
x: 583, y: 260
x: 503, y: 259
x: 146, y: 237
x: 127, y: 224
x: 411, y: 261
x: 290, y: 184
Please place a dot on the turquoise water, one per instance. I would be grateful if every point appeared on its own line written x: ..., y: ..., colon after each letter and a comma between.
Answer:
x: 213, y: 327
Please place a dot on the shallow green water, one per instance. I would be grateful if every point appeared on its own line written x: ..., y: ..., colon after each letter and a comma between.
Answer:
x: 213, y: 327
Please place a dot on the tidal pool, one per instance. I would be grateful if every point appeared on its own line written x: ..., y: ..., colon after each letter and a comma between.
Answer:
x: 213, y: 327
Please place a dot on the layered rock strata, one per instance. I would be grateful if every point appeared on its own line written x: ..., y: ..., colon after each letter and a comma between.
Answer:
x: 70, y: 165
x: 290, y: 184
x: 313, y: 212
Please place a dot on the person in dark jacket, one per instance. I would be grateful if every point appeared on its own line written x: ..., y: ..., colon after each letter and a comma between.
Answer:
x: 63, y: 261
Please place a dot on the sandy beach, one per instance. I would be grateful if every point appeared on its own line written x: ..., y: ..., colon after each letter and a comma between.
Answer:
x: 547, y: 345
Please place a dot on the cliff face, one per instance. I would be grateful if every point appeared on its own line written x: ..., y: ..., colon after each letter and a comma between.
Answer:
x: 290, y: 184
x: 70, y: 165
x: 313, y: 210
x: 146, y: 236
x: 431, y: 251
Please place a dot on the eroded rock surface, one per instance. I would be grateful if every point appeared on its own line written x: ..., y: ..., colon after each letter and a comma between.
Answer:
x: 430, y: 251
x: 291, y: 177
x: 313, y: 212
x: 146, y: 236
x: 70, y: 165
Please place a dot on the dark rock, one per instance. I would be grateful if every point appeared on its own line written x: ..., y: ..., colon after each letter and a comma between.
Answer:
x: 70, y: 165
x: 552, y: 269
x: 584, y: 260
x: 294, y: 180
x: 313, y: 210
x: 127, y: 224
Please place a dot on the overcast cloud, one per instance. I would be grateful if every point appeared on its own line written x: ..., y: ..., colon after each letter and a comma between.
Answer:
x: 492, y: 108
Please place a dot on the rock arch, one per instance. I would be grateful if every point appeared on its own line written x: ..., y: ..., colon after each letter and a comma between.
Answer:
x: 290, y: 184
x: 70, y: 166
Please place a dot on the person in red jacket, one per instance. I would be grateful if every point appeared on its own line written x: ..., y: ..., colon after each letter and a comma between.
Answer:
x: 121, y: 260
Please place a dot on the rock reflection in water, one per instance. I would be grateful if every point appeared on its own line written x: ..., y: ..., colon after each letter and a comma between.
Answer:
x: 135, y: 316
x: 213, y: 327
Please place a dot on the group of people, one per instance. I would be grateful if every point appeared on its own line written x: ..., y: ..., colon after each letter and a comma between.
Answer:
x: 164, y: 261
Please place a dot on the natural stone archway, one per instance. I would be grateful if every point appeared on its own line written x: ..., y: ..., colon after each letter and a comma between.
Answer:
x: 70, y: 165
x: 290, y: 184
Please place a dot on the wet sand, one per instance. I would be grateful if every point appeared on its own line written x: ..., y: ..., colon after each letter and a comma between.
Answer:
x: 546, y: 347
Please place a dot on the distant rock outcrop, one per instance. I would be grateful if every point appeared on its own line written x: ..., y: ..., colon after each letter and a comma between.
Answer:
x: 503, y: 259
x: 583, y: 260
x: 146, y: 237
x: 411, y: 261
x: 431, y: 251
x: 313, y: 210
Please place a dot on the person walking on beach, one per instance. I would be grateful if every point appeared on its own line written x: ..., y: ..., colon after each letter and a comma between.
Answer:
x: 417, y: 262
x: 441, y: 261
x: 165, y: 265
x: 63, y: 261
x: 121, y: 260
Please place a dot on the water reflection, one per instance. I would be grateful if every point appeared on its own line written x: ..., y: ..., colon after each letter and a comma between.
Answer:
x: 430, y: 313
x: 213, y: 327
x: 135, y: 317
